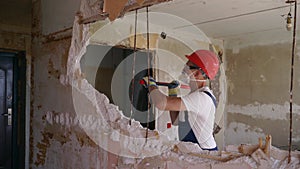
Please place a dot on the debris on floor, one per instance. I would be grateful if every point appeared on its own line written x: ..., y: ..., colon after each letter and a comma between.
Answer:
x: 186, y: 155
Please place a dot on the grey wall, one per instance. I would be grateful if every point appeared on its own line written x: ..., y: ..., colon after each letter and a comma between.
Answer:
x: 258, y: 92
x: 58, y: 15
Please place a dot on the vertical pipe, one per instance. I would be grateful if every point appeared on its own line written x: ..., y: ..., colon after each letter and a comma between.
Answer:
x: 291, y: 83
x: 148, y: 57
x: 133, y: 66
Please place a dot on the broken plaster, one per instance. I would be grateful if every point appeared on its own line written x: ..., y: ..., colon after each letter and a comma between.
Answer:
x: 135, y: 143
x: 128, y: 140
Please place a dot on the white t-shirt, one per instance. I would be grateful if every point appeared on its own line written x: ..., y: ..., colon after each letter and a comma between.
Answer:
x: 201, y: 114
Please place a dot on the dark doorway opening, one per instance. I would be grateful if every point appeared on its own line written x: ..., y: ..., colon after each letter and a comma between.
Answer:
x: 112, y: 68
x: 12, y: 109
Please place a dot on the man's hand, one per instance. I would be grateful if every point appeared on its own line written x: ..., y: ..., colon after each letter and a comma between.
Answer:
x: 148, y: 81
x: 173, y: 88
x: 173, y: 91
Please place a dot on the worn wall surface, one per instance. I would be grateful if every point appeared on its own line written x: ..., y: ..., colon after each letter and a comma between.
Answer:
x: 65, y: 21
x: 66, y: 127
x: 15, y: 36
x: 56, y: 140
x: 258, y: 74
x: 75, y: 126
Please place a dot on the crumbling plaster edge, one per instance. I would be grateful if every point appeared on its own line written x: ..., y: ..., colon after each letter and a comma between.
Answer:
x: 74, y: 78
x: 82, y: 36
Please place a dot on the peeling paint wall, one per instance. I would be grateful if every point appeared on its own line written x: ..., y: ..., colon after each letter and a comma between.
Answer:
x: 56, y: 138
x: 68, y: 135
x: 258, y: 91
x: 58, y: 127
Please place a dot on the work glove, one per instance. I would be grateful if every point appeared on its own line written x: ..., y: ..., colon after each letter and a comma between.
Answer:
x: 150, y: 80
x: 173, y: 88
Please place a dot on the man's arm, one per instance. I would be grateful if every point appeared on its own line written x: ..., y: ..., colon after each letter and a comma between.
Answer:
x: 174, y: 117
x: 163, y: 102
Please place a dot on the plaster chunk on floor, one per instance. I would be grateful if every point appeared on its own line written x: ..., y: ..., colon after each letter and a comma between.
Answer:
x: 151, y: 162
x: 261, y: 158
x: 188, y: 147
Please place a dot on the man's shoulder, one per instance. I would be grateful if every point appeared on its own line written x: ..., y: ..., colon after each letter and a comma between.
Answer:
x: 204, y: 89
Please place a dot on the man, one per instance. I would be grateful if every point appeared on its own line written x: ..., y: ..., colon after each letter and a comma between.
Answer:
x: 197, y: 122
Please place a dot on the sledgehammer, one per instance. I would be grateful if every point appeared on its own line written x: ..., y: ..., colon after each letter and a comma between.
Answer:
x: 142, y: 82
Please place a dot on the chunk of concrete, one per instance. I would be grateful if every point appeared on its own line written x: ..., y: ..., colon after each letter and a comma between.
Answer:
x: 262, y: 159
x: 231, y: 166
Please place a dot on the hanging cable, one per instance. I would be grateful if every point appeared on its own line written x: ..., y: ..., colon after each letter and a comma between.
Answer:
x: 291, y: 83
x: 148, y: 60
x: 133, y: 67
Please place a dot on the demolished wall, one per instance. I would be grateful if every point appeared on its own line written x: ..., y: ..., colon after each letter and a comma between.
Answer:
x: 147, y: 147
x: 75, y: 126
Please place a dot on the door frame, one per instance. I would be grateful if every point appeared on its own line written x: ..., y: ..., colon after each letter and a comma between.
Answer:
x: 19, y: 106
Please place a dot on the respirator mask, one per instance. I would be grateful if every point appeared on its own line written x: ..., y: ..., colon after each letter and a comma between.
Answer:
x: 186, y: 78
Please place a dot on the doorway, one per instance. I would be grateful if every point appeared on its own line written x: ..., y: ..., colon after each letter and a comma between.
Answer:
x: 12, y: 109
x: 109, y: 70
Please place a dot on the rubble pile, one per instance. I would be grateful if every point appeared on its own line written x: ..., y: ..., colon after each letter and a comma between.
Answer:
x: 190, y: 156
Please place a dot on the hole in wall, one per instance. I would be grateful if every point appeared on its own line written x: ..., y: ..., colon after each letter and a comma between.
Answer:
x: 109, y: 70
x: 96, y: 105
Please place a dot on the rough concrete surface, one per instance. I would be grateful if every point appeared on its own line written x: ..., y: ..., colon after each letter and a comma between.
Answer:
x: 75, y: 126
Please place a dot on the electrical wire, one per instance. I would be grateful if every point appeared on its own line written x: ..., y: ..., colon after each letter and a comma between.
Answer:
x: 231, y: 17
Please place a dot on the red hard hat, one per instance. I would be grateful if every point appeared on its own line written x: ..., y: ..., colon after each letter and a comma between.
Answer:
x: 206, y: 60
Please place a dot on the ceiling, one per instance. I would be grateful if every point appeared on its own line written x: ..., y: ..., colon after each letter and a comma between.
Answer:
x: 224, y: 19
x: 220, y: 19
